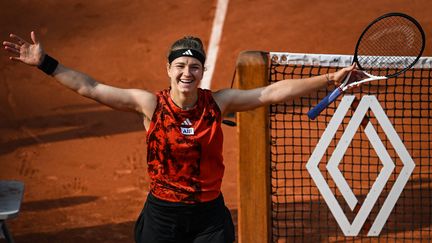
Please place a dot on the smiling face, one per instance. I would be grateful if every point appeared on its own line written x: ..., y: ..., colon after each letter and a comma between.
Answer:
x: 185, y: 74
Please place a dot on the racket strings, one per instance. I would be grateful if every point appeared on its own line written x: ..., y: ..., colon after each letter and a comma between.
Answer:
x: 391, y: 38
x: 394, y: 40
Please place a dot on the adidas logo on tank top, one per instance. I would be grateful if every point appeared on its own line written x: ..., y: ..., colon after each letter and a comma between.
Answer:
x: 187, y: 130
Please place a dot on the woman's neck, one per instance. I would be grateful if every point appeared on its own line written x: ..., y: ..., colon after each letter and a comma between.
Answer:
x: 183, y: 101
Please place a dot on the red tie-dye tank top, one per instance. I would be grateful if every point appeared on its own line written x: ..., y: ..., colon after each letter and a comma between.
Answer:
x: 184, y: 150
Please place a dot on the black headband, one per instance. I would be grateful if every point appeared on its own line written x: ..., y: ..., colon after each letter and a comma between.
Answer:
x: 186, y: 53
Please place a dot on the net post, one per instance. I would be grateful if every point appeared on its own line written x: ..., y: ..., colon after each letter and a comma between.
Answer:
x: 254, y: 164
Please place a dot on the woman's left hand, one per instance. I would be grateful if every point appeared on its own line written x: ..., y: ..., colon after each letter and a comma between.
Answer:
x: 356, y: 75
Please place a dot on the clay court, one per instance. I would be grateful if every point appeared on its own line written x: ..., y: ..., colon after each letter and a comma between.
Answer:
x: 84, y: 165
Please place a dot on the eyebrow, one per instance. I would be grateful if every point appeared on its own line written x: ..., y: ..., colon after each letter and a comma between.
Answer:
x: 184, y: 63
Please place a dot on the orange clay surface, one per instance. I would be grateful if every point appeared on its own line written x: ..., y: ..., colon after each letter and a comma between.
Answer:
x: 83, y: 164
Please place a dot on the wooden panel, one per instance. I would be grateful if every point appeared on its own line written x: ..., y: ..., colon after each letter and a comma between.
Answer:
x: 253, y: 166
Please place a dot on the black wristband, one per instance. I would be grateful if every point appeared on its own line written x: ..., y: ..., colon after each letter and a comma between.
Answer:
x: 48, y: 64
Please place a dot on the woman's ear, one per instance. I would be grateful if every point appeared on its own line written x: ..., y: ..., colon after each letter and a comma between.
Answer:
x: 168, y: 69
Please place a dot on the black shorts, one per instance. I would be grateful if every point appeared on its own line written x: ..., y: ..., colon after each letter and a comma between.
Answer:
x: 162, y: 221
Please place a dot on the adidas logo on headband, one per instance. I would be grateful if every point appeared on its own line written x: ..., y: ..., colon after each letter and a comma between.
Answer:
x: 188, y: 53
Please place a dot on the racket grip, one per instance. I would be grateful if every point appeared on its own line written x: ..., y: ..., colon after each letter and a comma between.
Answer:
x: 314, y: 112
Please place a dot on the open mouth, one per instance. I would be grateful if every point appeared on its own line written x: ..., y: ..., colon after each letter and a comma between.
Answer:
x: 186, y: 81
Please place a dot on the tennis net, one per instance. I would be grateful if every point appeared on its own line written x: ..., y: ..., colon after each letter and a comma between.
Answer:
x: 373, y: 184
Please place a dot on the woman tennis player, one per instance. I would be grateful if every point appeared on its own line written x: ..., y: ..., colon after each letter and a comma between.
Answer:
x: 184, y: 135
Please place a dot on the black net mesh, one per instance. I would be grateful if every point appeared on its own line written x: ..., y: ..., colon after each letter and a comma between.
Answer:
x: 299, y: 211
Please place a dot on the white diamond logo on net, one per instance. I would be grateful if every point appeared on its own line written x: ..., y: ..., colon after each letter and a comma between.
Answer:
x: 367, y: 103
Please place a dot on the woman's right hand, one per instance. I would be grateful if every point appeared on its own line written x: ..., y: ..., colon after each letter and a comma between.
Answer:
x: 28, y: 53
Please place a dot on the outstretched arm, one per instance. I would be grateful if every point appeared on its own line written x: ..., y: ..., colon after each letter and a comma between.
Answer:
x: 33, y: 54
x: 234, y: 100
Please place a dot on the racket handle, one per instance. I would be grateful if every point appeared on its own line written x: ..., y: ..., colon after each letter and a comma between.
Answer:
x: 314, y: 112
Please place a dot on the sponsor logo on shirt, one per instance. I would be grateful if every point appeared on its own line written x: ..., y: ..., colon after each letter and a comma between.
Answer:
x: 187, y: 130
x: 187, y: 122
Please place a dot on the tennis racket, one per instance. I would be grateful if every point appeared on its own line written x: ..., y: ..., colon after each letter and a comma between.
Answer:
x: 394, y: 39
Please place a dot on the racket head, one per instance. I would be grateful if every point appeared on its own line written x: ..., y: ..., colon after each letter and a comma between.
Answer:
x: 394, y: 41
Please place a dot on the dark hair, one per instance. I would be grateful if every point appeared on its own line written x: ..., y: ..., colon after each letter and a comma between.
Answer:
x: 188, y: 42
